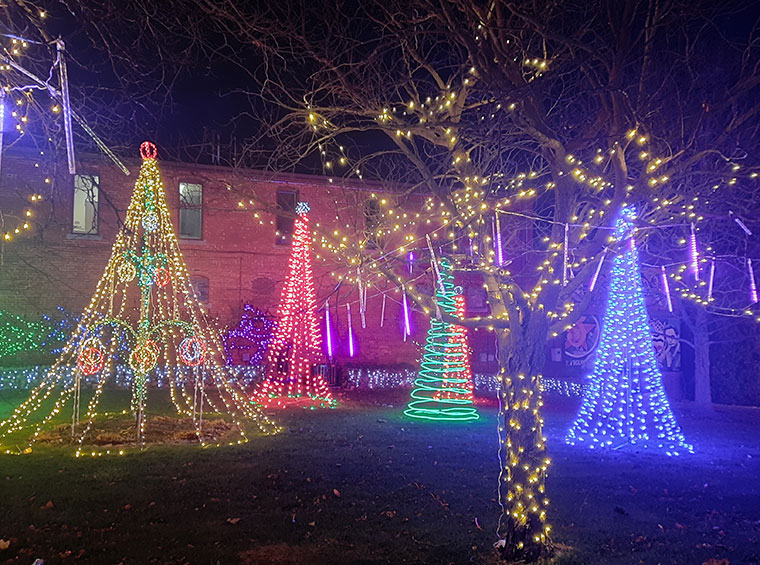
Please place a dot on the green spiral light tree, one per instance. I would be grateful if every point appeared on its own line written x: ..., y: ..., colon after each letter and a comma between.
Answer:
x: 441, y: 390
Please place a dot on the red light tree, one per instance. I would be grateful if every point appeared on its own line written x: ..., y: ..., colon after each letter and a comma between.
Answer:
x: 461, y: 338
x: 297, y: 344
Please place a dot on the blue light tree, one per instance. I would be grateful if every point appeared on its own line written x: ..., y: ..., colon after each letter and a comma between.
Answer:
x: 626, y: 401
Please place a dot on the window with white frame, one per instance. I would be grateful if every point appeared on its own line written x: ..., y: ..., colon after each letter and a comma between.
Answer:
x: 190, y: 210
x: 85, y: 217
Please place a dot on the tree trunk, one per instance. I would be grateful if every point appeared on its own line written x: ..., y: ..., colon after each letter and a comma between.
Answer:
x: 522, y: 447
x: 702, y: 392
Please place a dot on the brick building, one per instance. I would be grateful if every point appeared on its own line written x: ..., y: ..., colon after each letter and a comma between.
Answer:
x: 236, y: 251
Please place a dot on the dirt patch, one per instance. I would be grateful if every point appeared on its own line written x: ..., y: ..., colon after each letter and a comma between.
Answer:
x: 122, y: 431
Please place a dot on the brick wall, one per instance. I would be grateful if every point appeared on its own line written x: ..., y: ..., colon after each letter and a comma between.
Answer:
x: 49, y: 266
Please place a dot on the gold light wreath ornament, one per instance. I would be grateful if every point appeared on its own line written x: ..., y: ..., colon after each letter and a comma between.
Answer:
x: 126, y: 271
x: 144, y: 357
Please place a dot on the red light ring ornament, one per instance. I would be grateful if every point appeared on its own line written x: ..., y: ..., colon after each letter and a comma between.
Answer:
x: 192, y: 351
x: 144, y: 357
x: 148, y: 150
x: 91, y: 358
x: 161, y: 277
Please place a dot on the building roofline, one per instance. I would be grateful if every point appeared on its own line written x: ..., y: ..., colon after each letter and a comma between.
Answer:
x: 249, y: 174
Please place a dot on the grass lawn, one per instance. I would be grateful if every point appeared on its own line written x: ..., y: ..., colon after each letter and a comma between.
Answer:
x: 362, y: 484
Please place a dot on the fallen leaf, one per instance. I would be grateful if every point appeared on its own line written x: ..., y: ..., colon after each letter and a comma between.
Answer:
x: 233, y: 521
x: 336, y: 492
x: 4, y: 544
x: 49, y: 505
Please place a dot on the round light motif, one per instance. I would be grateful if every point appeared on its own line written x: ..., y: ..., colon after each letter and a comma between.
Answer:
x: 91, y: 358
x: 144, y: 357
x: 161, y: 278
x: 302, y: 208
x: 126, y: 271
x: 150, y: 222
x: 148, y: 150
x: 192, y: 351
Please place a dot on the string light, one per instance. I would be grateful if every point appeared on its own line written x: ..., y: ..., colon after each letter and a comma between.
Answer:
x: 405, y: 310
x: 752, y: 285
x: 693, y: 254
x: 626, y: 401
x: 251, y: 335
x: 666, y: 287
x: 328, y: 330
x: 296, y: 346
x: 497, y: 237
x: 350, y: 331
x: 165, y: 313
x: 442, y: 390
x: 592, y: 285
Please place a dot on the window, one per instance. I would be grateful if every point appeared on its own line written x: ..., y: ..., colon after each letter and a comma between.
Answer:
x: 371, y: 222
x: 85, y: 219
x: 200, y: 286
x: 190, y: 210
x: 286, y: 201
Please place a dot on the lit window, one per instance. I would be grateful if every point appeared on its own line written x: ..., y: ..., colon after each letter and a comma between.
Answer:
x: 85, y: 219
x: 190, y: 210
x: 286, y: 201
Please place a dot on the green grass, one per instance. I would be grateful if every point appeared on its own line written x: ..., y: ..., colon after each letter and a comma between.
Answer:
x: 362, y: 484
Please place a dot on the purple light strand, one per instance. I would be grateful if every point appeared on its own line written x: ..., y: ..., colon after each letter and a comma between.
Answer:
x: 350, y: 332
x: 328, y: 329
x: 497, y: 236
x: 407, y: 325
